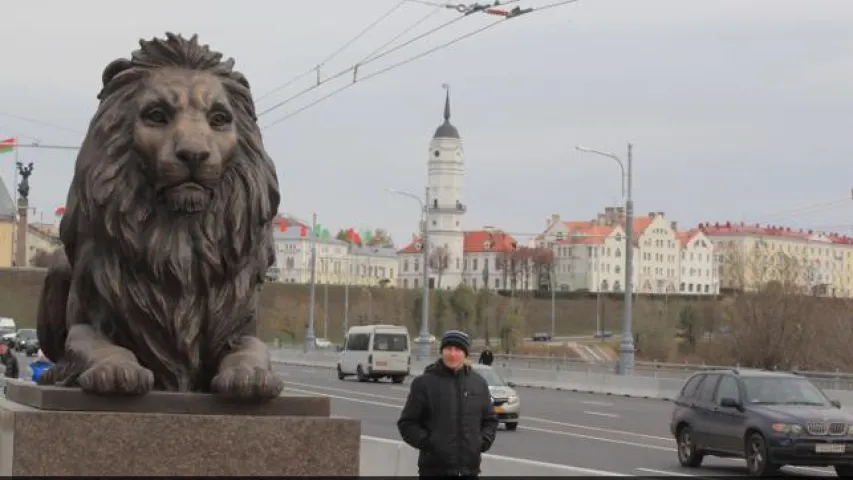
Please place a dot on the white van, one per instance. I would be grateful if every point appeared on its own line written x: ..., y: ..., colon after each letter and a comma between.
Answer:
x: 376, y: 351
x: 7, y: 325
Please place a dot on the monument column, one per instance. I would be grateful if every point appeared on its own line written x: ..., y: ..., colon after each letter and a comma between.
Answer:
x: 23, y: 214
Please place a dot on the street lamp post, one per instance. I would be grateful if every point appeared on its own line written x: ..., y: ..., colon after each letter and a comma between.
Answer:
x: 423, y: 338
x: 309, y: 328
x: 626, y: 346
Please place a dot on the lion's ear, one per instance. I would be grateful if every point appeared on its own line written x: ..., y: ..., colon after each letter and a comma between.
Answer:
x: 114, y: 68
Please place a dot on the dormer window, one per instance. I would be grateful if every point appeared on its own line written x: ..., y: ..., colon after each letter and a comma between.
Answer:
x: 419, y: 246
x: 488, y: 244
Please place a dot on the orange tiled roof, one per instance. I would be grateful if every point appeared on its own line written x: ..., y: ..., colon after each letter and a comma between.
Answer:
x: 587, y: 233
x: 729, y: 229
x: 475, y: 242
x: 685, y: 237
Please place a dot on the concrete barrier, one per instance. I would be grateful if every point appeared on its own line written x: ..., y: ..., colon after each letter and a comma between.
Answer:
x: 382, y: 457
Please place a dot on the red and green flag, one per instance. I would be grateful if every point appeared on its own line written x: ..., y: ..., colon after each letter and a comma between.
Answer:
x: 8, y: 145
x: 60, y: 211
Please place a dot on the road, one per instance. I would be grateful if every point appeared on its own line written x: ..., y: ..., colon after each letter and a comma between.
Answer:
x: 612, y: 435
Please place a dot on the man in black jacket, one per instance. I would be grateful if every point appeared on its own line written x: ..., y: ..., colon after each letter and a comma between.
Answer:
x: 448, y: 415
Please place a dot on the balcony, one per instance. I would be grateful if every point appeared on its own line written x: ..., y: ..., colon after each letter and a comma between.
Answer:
x: 457, y: 208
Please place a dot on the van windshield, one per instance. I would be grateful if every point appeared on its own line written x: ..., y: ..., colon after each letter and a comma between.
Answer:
x: 390, y: 342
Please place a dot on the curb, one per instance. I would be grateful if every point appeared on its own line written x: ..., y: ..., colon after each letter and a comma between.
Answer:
x: 523, y: 385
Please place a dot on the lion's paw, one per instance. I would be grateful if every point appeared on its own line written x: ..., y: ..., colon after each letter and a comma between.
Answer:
x: 247, y: 383
x: 127, y: 378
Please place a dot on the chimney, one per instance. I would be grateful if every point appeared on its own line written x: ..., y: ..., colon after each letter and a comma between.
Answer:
x: 652, y: 215
x: 661, y: 214
x: 555, y: 217
x: 674, y: 226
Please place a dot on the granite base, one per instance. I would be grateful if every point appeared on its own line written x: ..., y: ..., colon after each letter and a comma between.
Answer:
x: 53, y: 431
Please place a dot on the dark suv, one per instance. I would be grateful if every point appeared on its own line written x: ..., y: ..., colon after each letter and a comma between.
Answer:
x: 771, y: 419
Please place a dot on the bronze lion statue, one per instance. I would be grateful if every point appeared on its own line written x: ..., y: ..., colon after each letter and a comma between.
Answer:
x: 167, y: 234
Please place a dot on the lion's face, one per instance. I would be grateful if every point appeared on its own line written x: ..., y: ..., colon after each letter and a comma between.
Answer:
x: 184, y: 133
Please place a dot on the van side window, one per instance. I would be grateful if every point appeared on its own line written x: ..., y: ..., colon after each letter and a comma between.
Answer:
x: 358, y: 342
x: 689, y: 389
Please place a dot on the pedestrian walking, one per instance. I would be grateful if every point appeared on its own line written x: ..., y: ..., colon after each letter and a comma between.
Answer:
x: 9, y: 360
x: 448, y: 414
x: 486, y: 356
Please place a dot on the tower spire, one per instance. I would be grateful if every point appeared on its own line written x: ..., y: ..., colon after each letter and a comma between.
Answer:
x: 446, y: 102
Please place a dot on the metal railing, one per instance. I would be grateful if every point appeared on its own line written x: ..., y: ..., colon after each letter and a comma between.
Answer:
x: 837, y: 380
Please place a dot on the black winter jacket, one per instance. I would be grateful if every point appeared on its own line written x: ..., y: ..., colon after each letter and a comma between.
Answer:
x: 448, y: 417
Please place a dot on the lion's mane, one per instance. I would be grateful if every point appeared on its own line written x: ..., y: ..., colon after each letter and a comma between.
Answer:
x: 176, y: 290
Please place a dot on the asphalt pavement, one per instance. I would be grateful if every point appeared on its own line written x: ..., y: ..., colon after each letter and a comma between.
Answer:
x: 610, y: 435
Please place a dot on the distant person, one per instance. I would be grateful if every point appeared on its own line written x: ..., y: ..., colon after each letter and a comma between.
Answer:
x: 486, y: 356
x: 448, y: 414
x: 9, y: 360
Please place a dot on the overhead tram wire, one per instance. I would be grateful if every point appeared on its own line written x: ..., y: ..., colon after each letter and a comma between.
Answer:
x: 405, y: 31
x: 333, y: 54
x: 804, y: 210
x: 409, y: 60
x: 355, y: 67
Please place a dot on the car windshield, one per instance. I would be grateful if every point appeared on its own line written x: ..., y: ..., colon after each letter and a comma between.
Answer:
x: 783, y: 391
x: 27, y: 333
x: 390, y: 342
x: 492, y: 378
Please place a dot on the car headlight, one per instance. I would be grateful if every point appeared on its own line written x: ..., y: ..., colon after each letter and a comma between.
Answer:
x: 788, y: 428
x: 850, y: 430
x: 512, y: 399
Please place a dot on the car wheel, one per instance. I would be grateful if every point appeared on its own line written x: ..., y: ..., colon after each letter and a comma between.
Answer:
x: 359, y: 373
x: 688, y: 454
x: 398, y: 378
x: 341, y: 375
x: 844, y: 470
x: 512, y: 426
x: 757, y: 460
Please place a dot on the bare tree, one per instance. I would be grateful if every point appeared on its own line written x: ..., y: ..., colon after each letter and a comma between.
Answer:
x: 773, y: 319
x: 543, y: 265
x: 439, y: 261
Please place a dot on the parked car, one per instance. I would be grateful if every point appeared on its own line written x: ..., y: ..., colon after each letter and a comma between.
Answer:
x: 771, y: 419
x: 505, y: 399
x: 541, y: 337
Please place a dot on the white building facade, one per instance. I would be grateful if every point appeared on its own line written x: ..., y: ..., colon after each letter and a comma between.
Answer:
x: 589, y: 255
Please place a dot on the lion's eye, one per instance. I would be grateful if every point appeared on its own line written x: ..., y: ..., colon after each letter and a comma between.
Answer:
x: 156, y: 116
x: 219, y: 119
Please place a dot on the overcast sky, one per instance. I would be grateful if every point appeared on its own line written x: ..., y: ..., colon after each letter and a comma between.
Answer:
x: 738, y: 110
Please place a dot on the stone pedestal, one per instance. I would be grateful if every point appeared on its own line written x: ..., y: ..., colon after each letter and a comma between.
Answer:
x: 54, y: 431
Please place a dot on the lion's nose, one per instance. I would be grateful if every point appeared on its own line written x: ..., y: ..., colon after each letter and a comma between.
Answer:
x: 193, y: 157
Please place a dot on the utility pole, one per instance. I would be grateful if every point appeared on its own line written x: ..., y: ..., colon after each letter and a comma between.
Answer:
x: 326, y: 309
x: 626, y: 347
x: 346, y: 296
x: 309, y: 327
x: 551, y: 276
x: 424, y: 336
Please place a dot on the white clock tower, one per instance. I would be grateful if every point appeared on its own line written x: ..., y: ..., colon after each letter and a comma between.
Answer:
x: 446, y: 169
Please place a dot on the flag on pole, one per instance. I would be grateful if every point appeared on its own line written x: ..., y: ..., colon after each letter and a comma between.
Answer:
x: 8, y: 145
x: 303, y: 231
x: 282, y: 225
x: 60, y: 211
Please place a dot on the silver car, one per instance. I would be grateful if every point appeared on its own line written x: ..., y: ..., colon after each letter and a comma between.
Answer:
x: 504, y: 398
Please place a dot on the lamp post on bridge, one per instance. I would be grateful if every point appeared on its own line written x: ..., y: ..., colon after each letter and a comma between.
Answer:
x: 626, y: 346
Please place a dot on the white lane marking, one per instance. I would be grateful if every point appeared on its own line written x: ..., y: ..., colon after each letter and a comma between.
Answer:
x: 664, y: 472
x: 602, y: 414
x: 525, y: 461
x: 535, y: 429
x: 600, y: 404
x: 600, y: 439
x: 525, y: 418
x: 599, y: 429
x: 402, y: 389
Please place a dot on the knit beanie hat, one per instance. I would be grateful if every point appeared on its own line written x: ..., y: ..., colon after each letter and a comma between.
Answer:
x: 456, y: 338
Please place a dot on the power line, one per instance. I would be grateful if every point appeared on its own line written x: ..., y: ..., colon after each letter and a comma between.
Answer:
x: 804, y: 210
x: 39, y: 122
x: 408, y: 60
x: 335, y: 53
x: 354, y: 68
x: 405, y: 31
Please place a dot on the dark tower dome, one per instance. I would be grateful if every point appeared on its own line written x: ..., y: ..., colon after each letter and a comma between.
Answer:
x: 446, y: 130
